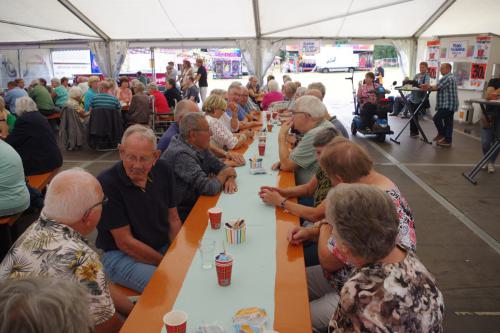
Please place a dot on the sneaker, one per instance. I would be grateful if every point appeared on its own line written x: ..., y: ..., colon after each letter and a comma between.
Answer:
x: 443, y: 143
x: 438, y: 138
x: 414, y: 135
x: 491, y: 167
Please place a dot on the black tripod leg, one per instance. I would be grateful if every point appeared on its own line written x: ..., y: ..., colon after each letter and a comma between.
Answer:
x: 470, y: 176
x: 408, y: 123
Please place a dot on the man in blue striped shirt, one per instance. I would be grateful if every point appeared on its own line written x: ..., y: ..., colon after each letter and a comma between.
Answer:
x: 103, y: 100
x: 446, y: 105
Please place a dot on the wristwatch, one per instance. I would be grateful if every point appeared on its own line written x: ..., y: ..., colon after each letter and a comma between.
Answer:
x: 282, y: 203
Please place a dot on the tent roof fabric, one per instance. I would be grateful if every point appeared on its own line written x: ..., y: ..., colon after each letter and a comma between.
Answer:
x: 164, y: 20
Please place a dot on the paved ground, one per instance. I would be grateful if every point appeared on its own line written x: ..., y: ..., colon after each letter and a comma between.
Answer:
x: 458, y: 224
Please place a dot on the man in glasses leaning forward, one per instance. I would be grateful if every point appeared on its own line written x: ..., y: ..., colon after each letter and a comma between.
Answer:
x: 55, y: 246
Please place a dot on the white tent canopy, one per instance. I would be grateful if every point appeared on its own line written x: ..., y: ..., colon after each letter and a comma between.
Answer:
x: 202, y: 21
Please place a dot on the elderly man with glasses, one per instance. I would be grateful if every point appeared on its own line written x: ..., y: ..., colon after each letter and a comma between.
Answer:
x: 197, y: 170
x: 140, y: 220
x: 308, y: 118
x: 55, y: 246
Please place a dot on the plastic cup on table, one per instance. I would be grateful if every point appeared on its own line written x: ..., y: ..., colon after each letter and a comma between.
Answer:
x: 224, y: 267
x: 262, y: 148
x: 207, y: 249
x: 269, y: 127
x: 175, y: 321
x: 215, y: 217
x: 268, y: 115
x: 275, y: 115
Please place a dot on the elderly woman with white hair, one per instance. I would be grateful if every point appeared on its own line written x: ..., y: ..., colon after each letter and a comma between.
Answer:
x: 139, y: 111
x: 34, y: 139
x: 274, y: 95
x: 72, y: 129
x: 59, y: 93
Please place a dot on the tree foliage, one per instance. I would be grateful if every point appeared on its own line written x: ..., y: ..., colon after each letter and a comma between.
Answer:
x: 384, y: 51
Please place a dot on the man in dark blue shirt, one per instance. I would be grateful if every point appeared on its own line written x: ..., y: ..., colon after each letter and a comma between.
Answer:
x: 140, y: 220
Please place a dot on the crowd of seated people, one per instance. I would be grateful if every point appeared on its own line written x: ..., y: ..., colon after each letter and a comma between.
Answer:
x: 357, y: 230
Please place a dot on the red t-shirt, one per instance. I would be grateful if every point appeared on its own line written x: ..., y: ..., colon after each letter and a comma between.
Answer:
x: 161, y: 105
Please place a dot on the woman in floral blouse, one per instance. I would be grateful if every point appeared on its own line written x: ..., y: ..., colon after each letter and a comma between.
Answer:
x: 214, y: 108
x: 390, y: 290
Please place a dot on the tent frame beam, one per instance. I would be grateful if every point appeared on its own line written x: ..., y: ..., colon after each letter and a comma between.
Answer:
x: 92, y: 26
x: 434, y: 17
x: 364, y: 10
x: 48, y: 29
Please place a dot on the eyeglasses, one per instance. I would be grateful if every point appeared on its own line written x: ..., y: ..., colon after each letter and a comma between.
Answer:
x: 101, y: 203
x: 140, y: 159
x: 296, y: 112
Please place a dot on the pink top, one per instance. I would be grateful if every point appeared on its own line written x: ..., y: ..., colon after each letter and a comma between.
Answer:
x: 366, y: 93
x: 124, y: 95
x: 271, y: 97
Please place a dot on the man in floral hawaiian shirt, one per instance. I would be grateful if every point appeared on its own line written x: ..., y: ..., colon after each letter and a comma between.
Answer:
x: 55, y: 246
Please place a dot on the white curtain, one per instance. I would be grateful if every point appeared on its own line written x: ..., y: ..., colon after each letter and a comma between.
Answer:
x: 109, y: 56
x: 259, y: 55
x: 407, y: 53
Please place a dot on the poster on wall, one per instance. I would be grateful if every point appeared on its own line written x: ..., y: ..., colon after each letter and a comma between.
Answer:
x: 9, y: 67
x: 433, y: 55
x: 478, y: 76
x: 458, y: 49
x: 462, y: 73
x: 482, y: 50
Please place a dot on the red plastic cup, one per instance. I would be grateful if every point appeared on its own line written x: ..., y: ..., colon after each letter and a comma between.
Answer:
x: 215, y: 216
x: 224, y: 270
x: 175, y: 321
x: 268, y: 115
x: 275, y: 114
x: 269, y: 127
x: 262, y: 148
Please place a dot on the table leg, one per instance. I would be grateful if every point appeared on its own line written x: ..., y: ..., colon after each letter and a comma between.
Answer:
x: 470, y: 176
x: 407, y: 123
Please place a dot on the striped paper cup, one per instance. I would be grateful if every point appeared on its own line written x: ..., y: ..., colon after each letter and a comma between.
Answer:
x: 236, y: 236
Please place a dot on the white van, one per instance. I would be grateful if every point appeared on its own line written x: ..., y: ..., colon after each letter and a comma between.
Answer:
x: 336, y: 59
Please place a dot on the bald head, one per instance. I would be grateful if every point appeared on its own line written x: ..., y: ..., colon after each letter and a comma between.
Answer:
x: 184, y: 107
x: 70, y: 194
x: 315, y: 93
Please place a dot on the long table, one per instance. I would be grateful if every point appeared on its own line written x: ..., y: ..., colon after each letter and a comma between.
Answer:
x: 291, y: 307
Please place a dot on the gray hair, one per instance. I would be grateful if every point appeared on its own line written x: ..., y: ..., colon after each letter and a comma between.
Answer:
x: 290, y: 86
x: 273, y: 85
x: 219, y: 92
x: 152, y: 86
x: 75, y: 93
x: 312, y: 106
x: 301, y: 91
x: 190, y: 122
x: 318, y: 86
x: 139, y: 86
x: 234, y: 85
x: 45, y: 305
x: 365, y: 219
x: 56, y: 80
x: 325, y: 136
x: 70, y: 194
x: 25, y: 104
x: 145, y: 132
x: 184, y: 106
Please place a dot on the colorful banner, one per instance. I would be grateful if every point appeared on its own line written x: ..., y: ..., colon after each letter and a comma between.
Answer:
x: 433, y: 56
x: 482, y: 51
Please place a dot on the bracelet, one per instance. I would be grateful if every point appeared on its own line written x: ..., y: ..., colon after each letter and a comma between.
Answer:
x: 282, y: 203
x: 320, y: 223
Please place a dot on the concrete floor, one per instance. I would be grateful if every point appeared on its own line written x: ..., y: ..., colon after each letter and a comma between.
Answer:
x: 458, y: 224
